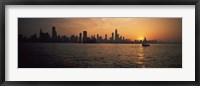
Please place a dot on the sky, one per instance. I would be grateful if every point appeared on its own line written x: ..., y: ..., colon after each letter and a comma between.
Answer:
x: 165, y: 29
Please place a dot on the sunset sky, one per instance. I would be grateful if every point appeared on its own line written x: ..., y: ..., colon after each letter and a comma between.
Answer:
x: 166, y: 29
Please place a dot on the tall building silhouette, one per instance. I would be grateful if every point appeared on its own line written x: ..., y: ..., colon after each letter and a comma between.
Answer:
x: 54, y: 34
x: 116, y: 36
x: 97, y: 36
x: 44, y: 37
x: 80, y: 37
x: 84, y: 36
x: 106, y: 37
x: 112, y: 36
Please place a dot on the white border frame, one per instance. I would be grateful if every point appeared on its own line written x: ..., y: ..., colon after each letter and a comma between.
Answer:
x: 186, y: 73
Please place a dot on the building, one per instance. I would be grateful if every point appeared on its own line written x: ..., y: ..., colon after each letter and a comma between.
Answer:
x: 64, y: 39
x: 106, y: 37
x: 92, y: 39
x: 73, y: 39
x: 115, y: 34
x: 44, y: 37
x: 112, y: 36
x: 84, y: 36
x: 33, y: 38
x: 98, y: 38
x: 54, y: 34
x: 80, y: 37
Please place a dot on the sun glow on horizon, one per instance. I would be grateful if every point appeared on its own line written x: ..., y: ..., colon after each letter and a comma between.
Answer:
x: 141, y: 38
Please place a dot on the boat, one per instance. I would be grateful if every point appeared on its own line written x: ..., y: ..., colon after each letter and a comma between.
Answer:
x: 145, y: 43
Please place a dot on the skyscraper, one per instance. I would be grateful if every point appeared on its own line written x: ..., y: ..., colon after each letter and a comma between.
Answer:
x: 84, y: 36
x: 112, y: 36
x: 54, y: 34
x: 116, y: 36
x: 80, y: 37
x: 98, y: 38
x: 44, y: 37
x: 106, y: 37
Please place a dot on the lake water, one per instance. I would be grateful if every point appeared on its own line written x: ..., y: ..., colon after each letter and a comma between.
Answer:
x: 66, y: 55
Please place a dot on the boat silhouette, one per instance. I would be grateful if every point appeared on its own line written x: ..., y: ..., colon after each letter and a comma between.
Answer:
x: 145, y: 43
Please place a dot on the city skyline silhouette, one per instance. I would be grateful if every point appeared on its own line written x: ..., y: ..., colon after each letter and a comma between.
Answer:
x: 162, y: 29
x: 45, y: 37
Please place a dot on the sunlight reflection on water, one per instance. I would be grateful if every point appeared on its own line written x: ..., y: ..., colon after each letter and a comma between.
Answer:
x: 140, y: 57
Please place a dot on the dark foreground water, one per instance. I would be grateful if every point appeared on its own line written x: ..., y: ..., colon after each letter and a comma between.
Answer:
x: 65, y: 55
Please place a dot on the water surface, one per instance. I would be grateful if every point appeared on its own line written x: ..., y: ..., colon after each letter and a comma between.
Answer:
x: 66, y: 55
